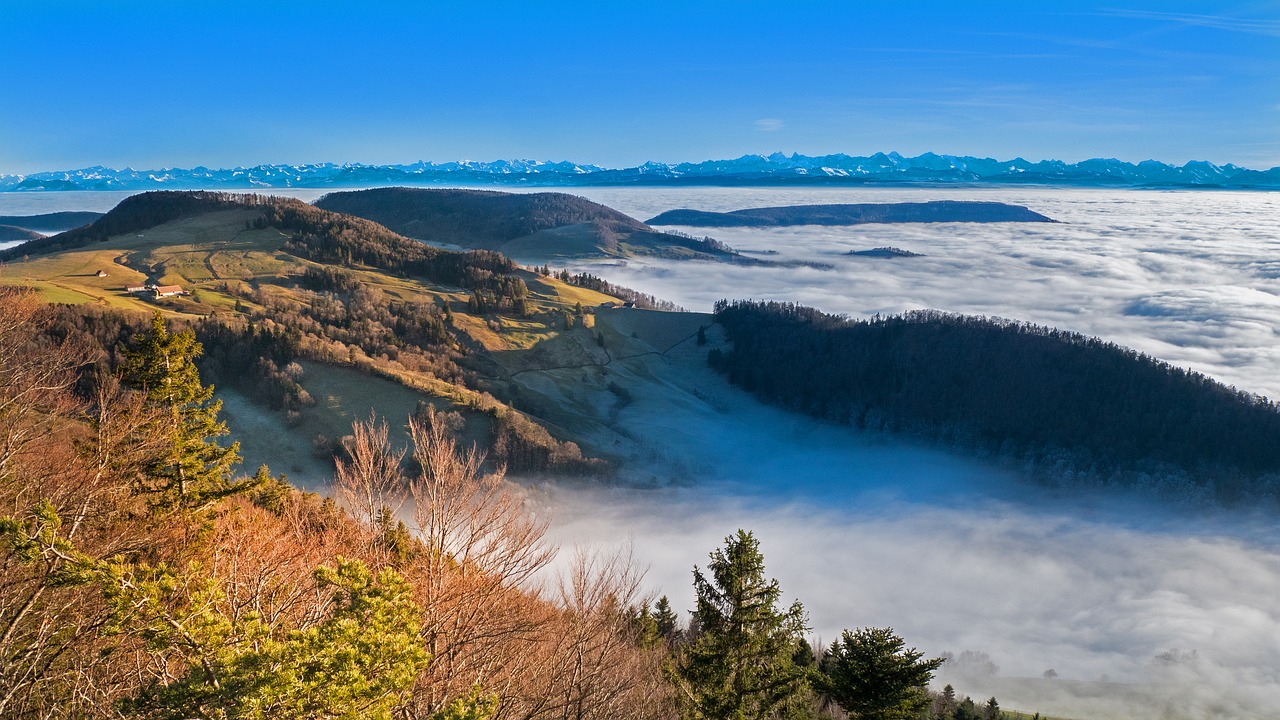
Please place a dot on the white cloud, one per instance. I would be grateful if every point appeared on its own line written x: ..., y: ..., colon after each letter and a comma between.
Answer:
x: 1253, y: 26
x: 769, y: 124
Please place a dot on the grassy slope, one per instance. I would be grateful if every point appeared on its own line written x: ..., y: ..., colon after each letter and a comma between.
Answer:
x: 343, y: 395
x: 649, y: 359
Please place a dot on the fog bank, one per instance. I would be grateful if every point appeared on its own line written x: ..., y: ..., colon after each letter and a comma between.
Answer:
x: 1036, y: 589
x: 1190, y: 277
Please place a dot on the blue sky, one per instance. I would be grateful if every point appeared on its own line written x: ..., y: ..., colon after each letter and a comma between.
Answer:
x: 155, y: 84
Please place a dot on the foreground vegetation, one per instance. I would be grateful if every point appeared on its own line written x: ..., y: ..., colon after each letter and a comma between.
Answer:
x: 140, y: 578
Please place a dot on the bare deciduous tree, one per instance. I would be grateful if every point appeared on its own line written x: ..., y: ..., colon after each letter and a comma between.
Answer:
x: 469, y: 519
x: 369, y: 479
x: 597, y: 667
x: 481, y: 544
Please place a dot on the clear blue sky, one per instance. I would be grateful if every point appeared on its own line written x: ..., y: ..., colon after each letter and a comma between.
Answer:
x: 184, y: 83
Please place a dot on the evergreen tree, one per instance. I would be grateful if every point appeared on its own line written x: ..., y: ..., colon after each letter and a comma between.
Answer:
x: 966, y: 710
x: 803, y: 656
x: 190, y: 469
x: 646, y: 628
x: 668, y: 621
x: 741, y: 665
x: 945, y: 707
x: 873, y: 676
x: 358, y: 663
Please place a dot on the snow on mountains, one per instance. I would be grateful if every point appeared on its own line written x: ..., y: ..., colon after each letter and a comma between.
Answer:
x: 775, y: 169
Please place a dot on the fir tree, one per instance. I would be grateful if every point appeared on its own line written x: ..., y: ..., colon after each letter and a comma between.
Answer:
x: 190, y: 470
x: 359, y: 662
x: 873, y: 676
x: 742, y: 664
x: 668, y: 621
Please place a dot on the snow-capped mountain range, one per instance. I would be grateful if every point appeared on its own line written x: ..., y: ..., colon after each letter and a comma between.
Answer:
x: 775, y: 169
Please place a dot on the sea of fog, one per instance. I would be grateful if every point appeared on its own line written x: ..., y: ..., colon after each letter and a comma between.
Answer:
x: 1140, y: 611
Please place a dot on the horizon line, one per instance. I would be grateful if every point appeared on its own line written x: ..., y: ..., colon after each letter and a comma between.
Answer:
x: 590, y: 167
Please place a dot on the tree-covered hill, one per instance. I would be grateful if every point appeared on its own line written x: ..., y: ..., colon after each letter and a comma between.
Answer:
x: 269, y: 282
x: 546, y: 224
x: 1072, y: 406
x: 473, y: 218
x: 51, y: 222
x: 854, y: 214
x: 13, y: 233
x: 133, y: 214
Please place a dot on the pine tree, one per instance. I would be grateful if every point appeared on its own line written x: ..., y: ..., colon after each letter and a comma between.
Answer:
x: 357, y: 662
x: 645, y: 628
x: 742, y: 665
x: 190, y: 470
x: 668, y: 621
x: 871, y: 674
x: 945, y: 706
x: 966, y: 710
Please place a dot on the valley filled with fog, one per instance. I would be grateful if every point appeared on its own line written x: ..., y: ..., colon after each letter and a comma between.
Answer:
x: 1190, y: 277
x: 1140, y: 610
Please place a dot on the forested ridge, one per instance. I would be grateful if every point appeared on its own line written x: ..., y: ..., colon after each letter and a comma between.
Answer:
x: 135, y: 213
x: 329, y: 237
x: 1071, y: 406
x: 853, y: 214
x: 316, y: 234
x: 322, y: 298
x: 489, y: 219
x: 12, y: 233
x: 50, y: 221
x: 473, y: 218
x: 142, y: 576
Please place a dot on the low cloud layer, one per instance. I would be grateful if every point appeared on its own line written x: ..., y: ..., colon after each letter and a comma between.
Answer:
x: 1139, y: 613
x: 1190, y: 277
x: 1034, y: 589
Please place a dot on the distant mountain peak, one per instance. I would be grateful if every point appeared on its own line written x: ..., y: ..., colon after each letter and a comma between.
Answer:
x: 776, y: 168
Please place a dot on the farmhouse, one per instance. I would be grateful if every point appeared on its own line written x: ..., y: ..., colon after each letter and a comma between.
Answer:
x: 168, y: 290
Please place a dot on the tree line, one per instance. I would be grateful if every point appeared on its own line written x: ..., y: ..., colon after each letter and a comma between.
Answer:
x: 644, y: 301
x: 1069, y: 405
